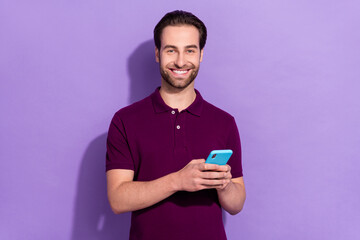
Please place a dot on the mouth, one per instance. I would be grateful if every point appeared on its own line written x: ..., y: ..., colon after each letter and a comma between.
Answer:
x: 180, y: 72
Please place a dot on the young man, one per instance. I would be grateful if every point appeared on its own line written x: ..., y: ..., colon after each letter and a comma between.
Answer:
x: 156, y: 147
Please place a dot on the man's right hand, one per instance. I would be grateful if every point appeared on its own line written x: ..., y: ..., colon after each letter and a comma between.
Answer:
x: 198, y: 175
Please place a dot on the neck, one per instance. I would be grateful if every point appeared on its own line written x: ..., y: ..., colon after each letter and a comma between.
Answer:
x: 178, y: 98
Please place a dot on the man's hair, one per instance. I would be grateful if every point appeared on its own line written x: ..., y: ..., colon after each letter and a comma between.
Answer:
x: 177, y: 18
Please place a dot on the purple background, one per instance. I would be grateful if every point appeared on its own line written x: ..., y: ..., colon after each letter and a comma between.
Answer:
x: 287, y: 70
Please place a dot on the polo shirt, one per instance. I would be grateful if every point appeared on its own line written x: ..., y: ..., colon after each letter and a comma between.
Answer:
x: 153, y: 139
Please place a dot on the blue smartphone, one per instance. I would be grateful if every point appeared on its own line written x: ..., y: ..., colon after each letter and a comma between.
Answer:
x: 219, y: 157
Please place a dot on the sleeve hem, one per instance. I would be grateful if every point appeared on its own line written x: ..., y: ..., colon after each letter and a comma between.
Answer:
x: 119, y: 166
x: 237, y: 174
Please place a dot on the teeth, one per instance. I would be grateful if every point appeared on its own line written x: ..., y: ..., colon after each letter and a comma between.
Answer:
x: 179, y: 72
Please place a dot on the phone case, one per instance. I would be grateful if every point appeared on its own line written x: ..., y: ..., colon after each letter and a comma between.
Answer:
x: 219, y: 157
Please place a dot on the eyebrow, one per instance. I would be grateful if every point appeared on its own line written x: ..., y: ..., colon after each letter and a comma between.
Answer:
x: 188, y: 46
x: 191, y: 46
x: 169, y: 46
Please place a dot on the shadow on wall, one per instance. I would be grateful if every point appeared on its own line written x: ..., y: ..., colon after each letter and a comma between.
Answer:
x: 143, y: 71
x: 93, y: 218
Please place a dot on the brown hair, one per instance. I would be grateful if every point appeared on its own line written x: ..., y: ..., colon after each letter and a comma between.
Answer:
x: 179, y: 17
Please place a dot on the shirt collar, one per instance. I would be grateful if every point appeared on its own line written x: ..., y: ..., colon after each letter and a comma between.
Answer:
x: 160, y: 106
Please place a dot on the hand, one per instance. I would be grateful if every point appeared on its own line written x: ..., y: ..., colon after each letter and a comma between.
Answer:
x: 228, y: 178
x: 198, y: 175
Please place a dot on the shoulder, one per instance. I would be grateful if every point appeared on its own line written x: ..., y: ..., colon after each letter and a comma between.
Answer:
x: 135, y: 110
x: 216, y: 113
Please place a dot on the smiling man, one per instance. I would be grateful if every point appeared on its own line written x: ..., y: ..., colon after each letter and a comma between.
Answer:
x: 179, y: 71
x: 156, y: 147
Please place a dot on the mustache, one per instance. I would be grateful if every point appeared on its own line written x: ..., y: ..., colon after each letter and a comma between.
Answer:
x: 184, y: 67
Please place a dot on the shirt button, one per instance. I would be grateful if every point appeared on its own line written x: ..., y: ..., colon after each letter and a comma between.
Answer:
x: 172, y: 112
x: 178, y: 126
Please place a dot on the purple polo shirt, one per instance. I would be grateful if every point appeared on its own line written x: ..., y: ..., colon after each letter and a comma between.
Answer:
x: 154, y: 140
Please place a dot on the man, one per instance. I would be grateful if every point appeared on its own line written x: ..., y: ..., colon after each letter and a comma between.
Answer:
x: 156, y: 147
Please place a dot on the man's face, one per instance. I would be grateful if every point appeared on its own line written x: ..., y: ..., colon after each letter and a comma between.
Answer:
x: 179, y: 55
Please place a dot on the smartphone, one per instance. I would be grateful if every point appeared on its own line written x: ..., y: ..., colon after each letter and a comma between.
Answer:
x: 219, y: 157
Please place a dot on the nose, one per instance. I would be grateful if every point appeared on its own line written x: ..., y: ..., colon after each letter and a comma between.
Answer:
x: 180, y: 60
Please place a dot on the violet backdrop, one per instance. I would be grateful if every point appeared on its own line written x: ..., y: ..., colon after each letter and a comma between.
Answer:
x: 288, y: 71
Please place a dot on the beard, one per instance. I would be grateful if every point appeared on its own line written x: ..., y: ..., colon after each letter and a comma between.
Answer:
x: 179, y: 84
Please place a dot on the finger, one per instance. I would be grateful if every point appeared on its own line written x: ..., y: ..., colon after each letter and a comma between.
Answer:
x: 213, y: 175
x: 214, y: 167
x: 195, y: 161
x: 212, y: 182
x: 223, y: 186
x: 228, y: 175
x: 209, y: 187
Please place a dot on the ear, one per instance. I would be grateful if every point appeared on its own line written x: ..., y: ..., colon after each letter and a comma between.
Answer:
x: 157, y: 54
x: 201, y: 54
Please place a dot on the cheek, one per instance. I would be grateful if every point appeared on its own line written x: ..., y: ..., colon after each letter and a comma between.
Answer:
x: 195, y: 59
x: 165, y: 60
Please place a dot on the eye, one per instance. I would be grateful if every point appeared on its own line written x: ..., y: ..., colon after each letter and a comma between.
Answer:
x: 190, y: 51
x: 170, y: 51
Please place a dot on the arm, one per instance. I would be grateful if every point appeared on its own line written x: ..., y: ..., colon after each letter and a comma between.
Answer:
x: 231, y: 191
x: 232, y: 196
x: 127, y: 195
x: 124, y: 194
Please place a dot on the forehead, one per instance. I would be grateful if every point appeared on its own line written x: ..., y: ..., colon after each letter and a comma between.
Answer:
x: 181, y: 35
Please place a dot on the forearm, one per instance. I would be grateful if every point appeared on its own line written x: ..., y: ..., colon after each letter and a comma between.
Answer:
x: 136, y: 195
x: 232, y: 198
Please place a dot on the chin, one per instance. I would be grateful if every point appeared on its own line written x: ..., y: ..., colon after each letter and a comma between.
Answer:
x: 184, y: 84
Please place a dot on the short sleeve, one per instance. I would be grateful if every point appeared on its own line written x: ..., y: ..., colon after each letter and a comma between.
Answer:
x: 234, y: 144
x: 118, y: 154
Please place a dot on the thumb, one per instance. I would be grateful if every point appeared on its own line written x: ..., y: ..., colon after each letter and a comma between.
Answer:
x: 198, y: 161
